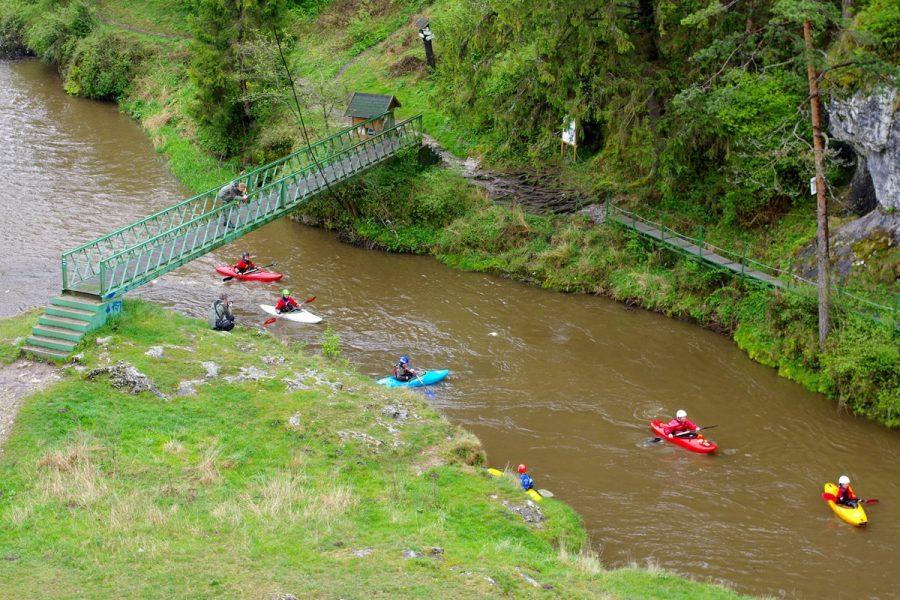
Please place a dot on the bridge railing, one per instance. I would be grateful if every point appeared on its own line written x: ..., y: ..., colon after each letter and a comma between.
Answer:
x: 178, y: 245
x: 847, y: 300
x: 82, y: 263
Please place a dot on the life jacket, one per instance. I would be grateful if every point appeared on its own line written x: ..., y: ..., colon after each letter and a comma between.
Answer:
x: 401, y: 372
x: 845, y: 495
x: 244, y: 265
x: 285, y: 303
x: 675, y: 426
x: 527, y: 481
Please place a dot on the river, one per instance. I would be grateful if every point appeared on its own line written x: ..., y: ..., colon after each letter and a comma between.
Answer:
x: 564, y: 383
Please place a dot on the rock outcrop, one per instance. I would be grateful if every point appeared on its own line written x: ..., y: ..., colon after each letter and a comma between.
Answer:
x: 870, y: 124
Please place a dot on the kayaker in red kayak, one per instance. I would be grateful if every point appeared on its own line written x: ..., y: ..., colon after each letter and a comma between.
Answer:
x: 286, y: 304
x: 403, y: 371
x: 245, y: 264
x: 845, y: 495
x: 524, y: 478
x: 680, y: 424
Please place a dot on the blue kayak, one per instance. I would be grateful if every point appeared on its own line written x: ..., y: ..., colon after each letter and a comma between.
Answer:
x: 427, y: 379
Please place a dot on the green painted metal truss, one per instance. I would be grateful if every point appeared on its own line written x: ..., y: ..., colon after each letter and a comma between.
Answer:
x: 129, y: 257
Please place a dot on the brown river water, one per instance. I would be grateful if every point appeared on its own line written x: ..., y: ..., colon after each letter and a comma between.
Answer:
x: 564, y: 383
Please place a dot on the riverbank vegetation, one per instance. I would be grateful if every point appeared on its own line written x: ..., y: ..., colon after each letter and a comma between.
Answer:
x: 174, y: 461
x: 693, y: 109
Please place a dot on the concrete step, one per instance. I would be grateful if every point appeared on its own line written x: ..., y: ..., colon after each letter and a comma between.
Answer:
x: 46, y: 353
x: 79, y: 301
x: 62, y: 333
x: 71, y: 313
x: 50, y: 342
x: 64, y: 323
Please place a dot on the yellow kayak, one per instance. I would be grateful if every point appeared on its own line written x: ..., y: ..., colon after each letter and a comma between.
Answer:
x: 854, y: 516
x: 532, y: 493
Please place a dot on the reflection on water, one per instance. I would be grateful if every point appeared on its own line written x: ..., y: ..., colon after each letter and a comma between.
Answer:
x: 566, y: 384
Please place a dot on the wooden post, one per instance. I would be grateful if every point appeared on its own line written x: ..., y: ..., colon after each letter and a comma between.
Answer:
x: 821, y: 198
x: 700, y: 243
x: 743, y: 254
x: 791, y: 271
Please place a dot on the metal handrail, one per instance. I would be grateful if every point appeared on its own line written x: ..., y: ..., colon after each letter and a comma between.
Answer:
x: 274, y: 189
x: 759, y: 266
x: 209, y: 195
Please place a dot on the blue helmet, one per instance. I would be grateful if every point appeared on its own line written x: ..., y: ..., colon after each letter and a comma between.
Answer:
x: 404, y: 360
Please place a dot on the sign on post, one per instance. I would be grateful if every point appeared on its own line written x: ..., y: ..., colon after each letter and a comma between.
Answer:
x: 570, y: 137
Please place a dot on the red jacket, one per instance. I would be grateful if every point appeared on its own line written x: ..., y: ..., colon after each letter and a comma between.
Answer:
x: 284, y: 303
x: 845, y: 494
x: 675, y: 426
x: 244, y: 265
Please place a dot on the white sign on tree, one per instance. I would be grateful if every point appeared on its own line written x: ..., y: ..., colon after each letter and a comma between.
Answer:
x: 568, y: 133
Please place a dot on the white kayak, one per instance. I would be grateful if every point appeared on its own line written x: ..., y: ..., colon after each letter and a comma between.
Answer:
x: 298, y: 316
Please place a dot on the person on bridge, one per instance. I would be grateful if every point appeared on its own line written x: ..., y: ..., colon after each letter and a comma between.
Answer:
x: 245, y: 264
x: 221, y: 318
x: 236, y: 191
x: 286, y: 304
x: 524, y: 478
x: 680, y: 424
x: 403, y: 370
x: 845, y: 495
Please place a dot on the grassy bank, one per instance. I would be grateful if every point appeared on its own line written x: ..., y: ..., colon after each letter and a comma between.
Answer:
x: 406, y: 209
x: 303, y: 477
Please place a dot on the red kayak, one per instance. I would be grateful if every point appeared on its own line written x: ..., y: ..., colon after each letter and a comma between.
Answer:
x: 694, y: 444
x: 257, y: 275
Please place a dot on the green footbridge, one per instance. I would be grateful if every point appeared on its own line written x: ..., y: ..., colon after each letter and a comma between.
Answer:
x: 97, y: 274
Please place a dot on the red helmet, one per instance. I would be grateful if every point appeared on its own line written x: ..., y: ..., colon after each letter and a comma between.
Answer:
x: 522, y: 468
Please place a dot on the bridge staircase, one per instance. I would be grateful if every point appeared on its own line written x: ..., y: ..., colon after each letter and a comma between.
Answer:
x: 96, y: 275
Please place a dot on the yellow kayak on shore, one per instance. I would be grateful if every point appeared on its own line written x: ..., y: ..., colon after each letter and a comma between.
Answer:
x: 532, y: 493
x: 854, y: 516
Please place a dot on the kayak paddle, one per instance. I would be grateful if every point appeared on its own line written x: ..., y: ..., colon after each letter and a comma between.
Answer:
x: 299, y: 306
x: 428, y: 392
x: 681, y: 434
x: 230, y: 277
x: 832, y: 498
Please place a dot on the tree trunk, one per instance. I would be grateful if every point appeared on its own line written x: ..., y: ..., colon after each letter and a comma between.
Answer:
x: 821, y: 198
x: 846, y: 9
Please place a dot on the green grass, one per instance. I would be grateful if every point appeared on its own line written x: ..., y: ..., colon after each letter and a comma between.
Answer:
x: 218, y: 495
x: 13, y: 332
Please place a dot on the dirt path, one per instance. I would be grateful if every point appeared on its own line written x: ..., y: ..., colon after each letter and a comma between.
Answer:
x: 539, y: 193
x: 18, y: 380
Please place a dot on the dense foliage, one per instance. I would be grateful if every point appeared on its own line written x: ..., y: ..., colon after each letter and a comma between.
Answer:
x: 702, y: 104
x: 223, y: 29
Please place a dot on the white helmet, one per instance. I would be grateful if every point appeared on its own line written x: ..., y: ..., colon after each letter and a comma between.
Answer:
x: 844, y: 480
x: 681, y: 414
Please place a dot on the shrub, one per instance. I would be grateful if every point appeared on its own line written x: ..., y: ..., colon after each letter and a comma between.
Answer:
x: 102, y: 66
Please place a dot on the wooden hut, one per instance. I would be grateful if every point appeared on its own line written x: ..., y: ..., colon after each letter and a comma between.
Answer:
x: 366, y: 106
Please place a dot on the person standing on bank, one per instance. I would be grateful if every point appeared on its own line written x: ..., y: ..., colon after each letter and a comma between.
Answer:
x: 236, y: 191
x: 221, y: 318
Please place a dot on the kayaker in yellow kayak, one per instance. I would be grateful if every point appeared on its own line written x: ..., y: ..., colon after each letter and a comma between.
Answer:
x: 845, y: 495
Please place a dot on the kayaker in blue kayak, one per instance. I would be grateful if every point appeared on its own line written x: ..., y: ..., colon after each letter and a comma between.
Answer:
x: 524, y: 478
x: 403, y: 371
